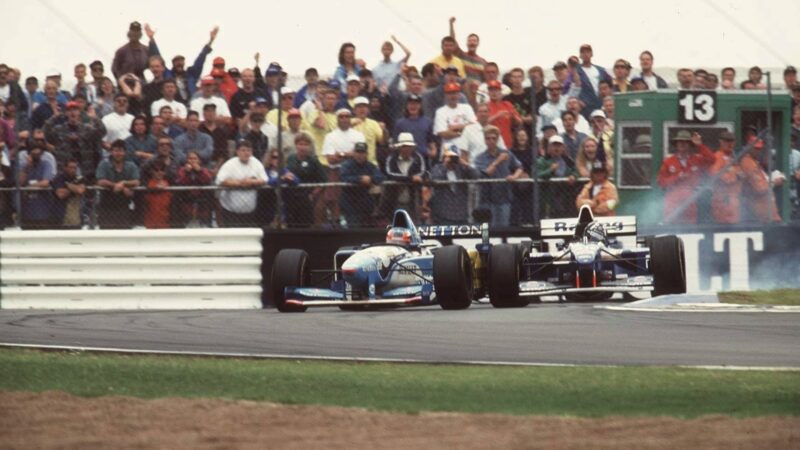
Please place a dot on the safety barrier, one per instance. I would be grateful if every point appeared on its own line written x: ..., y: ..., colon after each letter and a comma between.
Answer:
x: 131, y: 269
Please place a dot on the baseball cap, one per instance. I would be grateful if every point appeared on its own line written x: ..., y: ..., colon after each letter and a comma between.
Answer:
x: 789, y: 69
x: 414, y: 98
x: 334, y: 84
x: 549, y: 126
x: 598, y: 113
x: 450, y: 68
x: 360, y: 101
x: 360, y: 147
x: 559, y: 65
x: 286, y: 90
x: 353, y: 79
x: 556, y: 140
x: 135, y: 26
x: 261, y: 101
x: 727, y: 136
x: 294, y: 112
x: 452, y: 87
x: 219, y: 61
x: 586, y: 47
x: 494, y: 84
x: 274, y: 69
x: 73, y: 104
x: 635, y: 79
x: 234, y: 72
x: 404, y: 139
x: 52, y: 73
x: 450, y: 151
x: 341, y: 111
x: 207, y: 80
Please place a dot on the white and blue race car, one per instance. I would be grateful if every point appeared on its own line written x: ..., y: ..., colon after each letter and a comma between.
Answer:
x: 397, y: 272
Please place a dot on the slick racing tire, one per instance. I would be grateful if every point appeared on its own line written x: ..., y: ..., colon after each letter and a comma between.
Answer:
x: 668, y: 264
x: 452, y: 277
x: 289, y: 269
x: 504, y: 272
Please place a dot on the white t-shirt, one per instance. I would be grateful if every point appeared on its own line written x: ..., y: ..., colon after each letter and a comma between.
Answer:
x: 5, y: 92
x: 482, y: 94
x: 446, y: 116
x: 582, y: 125
x: 652, y: 81
x: 117, y: 126
x: 476, y: 142
x: 178, y: 108
x: 341, y: 141
x: 235, y: 200
x: 222, y: 106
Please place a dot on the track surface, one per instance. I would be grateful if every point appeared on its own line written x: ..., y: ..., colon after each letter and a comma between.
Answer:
x: 546, y: 333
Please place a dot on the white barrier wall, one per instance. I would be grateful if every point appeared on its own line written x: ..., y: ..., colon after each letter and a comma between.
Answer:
x: 131, y: 269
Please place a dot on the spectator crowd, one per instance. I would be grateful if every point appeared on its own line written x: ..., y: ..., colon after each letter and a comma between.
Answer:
x: 349, y: 149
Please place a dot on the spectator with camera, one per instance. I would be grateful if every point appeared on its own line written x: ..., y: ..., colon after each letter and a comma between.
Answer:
x: 193, y: 208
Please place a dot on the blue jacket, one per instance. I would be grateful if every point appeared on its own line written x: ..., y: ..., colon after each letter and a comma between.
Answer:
x: 587, y: 94
x: 357, y: 198
x: 193, y: 73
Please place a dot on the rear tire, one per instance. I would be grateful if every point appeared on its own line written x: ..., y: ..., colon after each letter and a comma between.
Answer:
x: 289, y: 269
x: 504, y: 272
x: 668, y: 265
x: 452, y: 277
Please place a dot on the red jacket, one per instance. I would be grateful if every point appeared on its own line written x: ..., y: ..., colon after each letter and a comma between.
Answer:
x: 505, y: 123
x: 756, y: 191
x: 725, y: 205
x: 680, y: 181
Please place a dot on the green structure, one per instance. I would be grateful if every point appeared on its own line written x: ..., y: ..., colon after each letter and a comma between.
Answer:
x: 645, y: 122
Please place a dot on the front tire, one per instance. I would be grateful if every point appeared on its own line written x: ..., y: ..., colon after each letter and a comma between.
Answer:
x: 504, y: 273
x: 668, y: 265
x: 289, y: 269
x: 452, y: 277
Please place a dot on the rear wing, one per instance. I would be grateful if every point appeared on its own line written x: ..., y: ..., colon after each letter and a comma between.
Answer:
x: 564, y: 228
x: 454, y: 231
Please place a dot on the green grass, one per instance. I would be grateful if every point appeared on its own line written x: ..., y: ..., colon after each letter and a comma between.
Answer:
x: 789, y: 297
x: 574, y: 391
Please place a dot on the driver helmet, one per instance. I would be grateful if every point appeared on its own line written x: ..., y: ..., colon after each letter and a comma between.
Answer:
x: 399, y: 236
x: 595, y: 232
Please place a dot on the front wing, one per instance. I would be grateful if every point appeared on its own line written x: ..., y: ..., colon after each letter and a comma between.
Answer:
x: 536, y: 288
x: 416, y: 295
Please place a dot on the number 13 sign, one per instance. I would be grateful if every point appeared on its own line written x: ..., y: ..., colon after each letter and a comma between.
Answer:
x: 697, y: 107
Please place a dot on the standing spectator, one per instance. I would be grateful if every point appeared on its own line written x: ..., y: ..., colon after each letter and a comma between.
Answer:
x: 82, y: 87
x: 473, y: 135
x: 605, y: 138
x: 339, y: 146
x: 271, y: 82
x: 186, y: 79
x: 385, y: 71
x: 169, y: 92
x: 171, y: 123
x: 520, y: 98
x: 491, y: 73
x: 398, y: 98
x: 571, y: 136
x: 590, y: 75
x: 348, y: 64
x: 259, y: 142
x: 31, y: 90
x: 759, y: 200
x: 54, y: 76
x: 193, y: 208
x: 255, y: 119
x: 118, y: 123
x: 207, y: 96
x: 725, y: 204
x: 622, y: 70
x: 106, y: 95
x: 323, y: 120
x: 241, y: 100
x: 681, y: 174
x: 118, y: 177
x: 522, y: 206
x: 638, y: 84
x: 141, y: 144
x: 220, y: 136
x: 267, y: 209
x: 473, y: 63
x: 588, y: 157
x: 496, y: 163
x: 434, y: 97
x: 97, y: 69
x: 194, y: 140
x: 755, y: 75
x: 287, y: 100
x: 599, y: 193
x: 357, y: 202
x: 448, y: 56
x: 296, y: 126
x: 551, y: 111
x: 581, y: 124
x: 309, y: 90
x: 244, y: 173
x: 51, y: 106
x: 449, y: 202
x: 420, y: 127
x: 502, y: 113
x: 131, y: 86
x: 557, y: 197
x: 131, y: 57
x: 226, y: 85
x: 452, y: 118
x: 69, y: 188
x: 11, y: 93
x: 36, y: 173
x: 646, y: 63
x: 373, y: 133
x: 164, y: 156
x: 728, y: 75
x: 405, y: 166
x: 157, y: 202
x: 153, y: 90
x: 712, y: 82
x: 790, y: 77
x: 685, y: 78
x: 536, y: 82
x: 608, y: 109
x: 305, y: 165
x: 75, y: 139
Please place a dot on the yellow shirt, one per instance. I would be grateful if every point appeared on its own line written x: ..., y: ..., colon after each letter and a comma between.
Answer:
x: 373, y: 133
x: 455, y: 61
x: 272, y: 117
x: 319, y: 133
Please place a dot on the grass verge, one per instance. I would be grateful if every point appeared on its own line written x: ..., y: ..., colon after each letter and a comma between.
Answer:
x: 790, y: 297
x: 574, y: 391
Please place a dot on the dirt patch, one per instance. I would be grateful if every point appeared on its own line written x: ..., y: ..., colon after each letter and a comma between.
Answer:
x: 56, y: 419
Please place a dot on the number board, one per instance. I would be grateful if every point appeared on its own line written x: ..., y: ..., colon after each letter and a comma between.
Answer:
x: 697, y: 107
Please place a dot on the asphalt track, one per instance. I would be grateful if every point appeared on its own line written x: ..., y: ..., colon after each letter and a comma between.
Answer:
x: 539, y: 334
